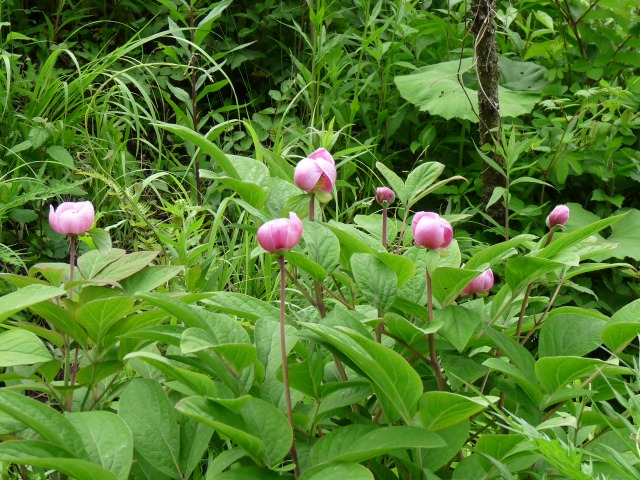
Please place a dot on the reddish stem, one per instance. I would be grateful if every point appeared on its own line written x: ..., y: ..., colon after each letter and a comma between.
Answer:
x: 431, y: 337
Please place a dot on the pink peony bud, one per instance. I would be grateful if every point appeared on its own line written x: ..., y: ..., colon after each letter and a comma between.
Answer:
x: 558, y: 216
x: 431, y: 231
x: 385, y: 196
x: 482, y: 283
x: 316, y: 173
x: 72, y: 218
x: 280, y: 235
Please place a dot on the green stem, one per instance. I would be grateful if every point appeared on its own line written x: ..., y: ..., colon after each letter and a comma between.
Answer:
x: 384, y: 227
x: 285, y: 365
x: 431, y: 336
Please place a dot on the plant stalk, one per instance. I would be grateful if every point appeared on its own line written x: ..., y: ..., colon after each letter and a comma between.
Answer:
x: 285, y: 366
x: 431, y: 337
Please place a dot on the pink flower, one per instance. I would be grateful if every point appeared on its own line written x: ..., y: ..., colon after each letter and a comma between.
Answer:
x: 431, y: 231
x: 384, y: 195
x: 316, y: 173
x: 72, y: 218
x: 482, y: 283
x: 558, y: 216
x: 280, y: 235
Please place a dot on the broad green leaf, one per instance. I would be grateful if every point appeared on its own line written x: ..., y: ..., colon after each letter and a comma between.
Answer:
x: 353, y: 240
x: 571, y: 331
x: 145, y: 408
x: 562, y: 242
x: 25, y: 297
x: 126, y: 266
x: 257, y: 426
x: 454, y: 437
x: 306, y: 376
x: 403, y: 267
x: 521, y: 271
x: 516, y: 353
x: 244, y: 306
x: 61, y: 319
x: 397, y: 385
x: 461, y: 322
x: 251, y: 473
x: 357, y: 443
x: 61, y: 155
x: 98, y: 316
x: 437, y: 89
x: 419, y: 179
x: 351, y: 471
x: 416, y: 288
x: 625, y: 235
x: 376, y: 280
x: 101, y: 239
x: 556, y: 372
x: 373, y: 224
x: 531, y: 388
x: 44, y: 420
x: 498, y: 446
x: 267, y: 341
x: 108, y: 440
x: 190, y: 315
x: 623, y: 327
x: 194, y: 441
x: 205, y: 145
x: 438, y: 410
x: 323, y: 247
x: 92, y: 262
x: 523, y: 76
x: 494, y: 253
x: 303, y: 262
x: 448, y: 282
x: 395, y: 182
x: 239, y: 355
x: 20, y: 347
x: 45, y: 455
x: 150, y: 278
x: 196, y: 383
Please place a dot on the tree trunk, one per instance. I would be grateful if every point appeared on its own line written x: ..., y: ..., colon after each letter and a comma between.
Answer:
x: 488, y: 75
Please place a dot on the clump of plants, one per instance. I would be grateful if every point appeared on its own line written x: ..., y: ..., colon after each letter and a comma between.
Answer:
x: 388, y: 347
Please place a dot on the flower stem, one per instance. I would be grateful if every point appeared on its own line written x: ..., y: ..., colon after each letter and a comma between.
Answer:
x: 431, y: 336
x: 285, y: 366
x: 384, y: 227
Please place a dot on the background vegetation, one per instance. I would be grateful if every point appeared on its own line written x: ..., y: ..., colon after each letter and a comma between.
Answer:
x: 140, y: 107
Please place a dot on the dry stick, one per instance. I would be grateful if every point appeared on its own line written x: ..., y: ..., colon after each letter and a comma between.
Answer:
x: 285, y: 365
x: 431, y: 336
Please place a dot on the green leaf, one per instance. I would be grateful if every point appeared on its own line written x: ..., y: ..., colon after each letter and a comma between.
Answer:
x: 306, y: 376
x: 447, y: 283
x: 376, y: 280
x: 98, y: 316
x: 323, y: 247
x: 403, y: 266
x: 454, y: 437
x: 190, y: 315
x: 256, y: 426
x: 194, y: 441
x: 373, y: 224
x: 397, y: 385
x: 150, y: 278
x: 252, y: 473
x: 101, y: 239
x: 107, y: 439
x: 46, y: 421
x: 522, y: 76
x: 303, y: 262
x: 25, y: 297
x: 252, y: 184
x: 92, y: 262
x: 20, y: 347
x: 61, y: 155
x: 437, y: 90
x: 244, y: 306
x: 395, y: 182
x: 357, y: 443
x: 461, y: 322
x: 267, y: 341
x: 519, y: 356
x: 556, y: 372
x: 145, y: 408
x: 419, y: 179
x: 625, y: 234
x: 351, y: 471
x: 571, y: 331
x: 62, y: 319
x: 239, y: 355
x: 521, y: 271
x: 492, y: 254
x: 126, y: 266
x: 438, y: 410
x: 623, y: 327
x: 45, y: 455
x: 205, y: 145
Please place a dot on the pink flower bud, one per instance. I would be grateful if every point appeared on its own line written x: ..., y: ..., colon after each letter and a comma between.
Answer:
x: 316, y: 173
x: 482, y: 283
x: 280, y: 235
x: 72, y: 218
x: 558, y: 216
x: 384, y: 195
x: 431, y: 231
